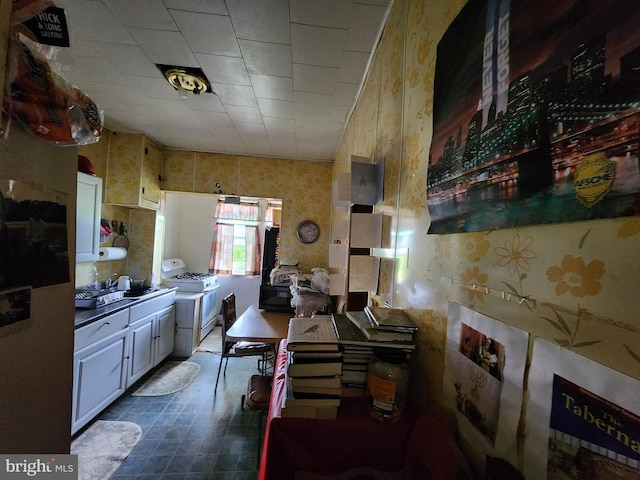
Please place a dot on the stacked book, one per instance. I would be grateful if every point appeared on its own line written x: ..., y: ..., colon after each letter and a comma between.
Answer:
x: 314, y: 366
x: 360, y: 332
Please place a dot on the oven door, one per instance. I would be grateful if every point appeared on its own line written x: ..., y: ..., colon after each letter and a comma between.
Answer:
x: 209, y: 310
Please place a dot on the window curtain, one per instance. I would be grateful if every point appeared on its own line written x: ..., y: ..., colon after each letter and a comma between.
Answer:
x: 252, y: 251
x: 221, y: 260
x: 222, y: 250
x: 246, y: 212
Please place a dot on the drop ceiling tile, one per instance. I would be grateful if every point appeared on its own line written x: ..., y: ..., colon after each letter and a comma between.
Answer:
x: 278, y: 125
x: 310, y: 120
x: 267, y: 58
x: 92, y: 20
x: 80, y: 46
x: 308, y: 78
x: 345, y: 94
x: 264, y: 21
x: 95, y: 69
x: 275, y: 108
x: 365, y: 27
x: 207, y: 33
x: 322, y: 13
x: 207, y: 102
x: 317, y: 45
x: 240, y: 114
x: 256, y: 143
x: 314, y: 149
x: 312, y: 102
x: 353, y: 67
x: 339, y: 114
x: 142, y: 14
x: 129, y: 59
x: 220, y: 69
x: 151, y: 88
x: 215, y: 7
x: 283, y: 144
x: 276, y: 88
x: 231, y: 95
x: 250, y: 129
x: 164, y: 47
x: 214, y: 119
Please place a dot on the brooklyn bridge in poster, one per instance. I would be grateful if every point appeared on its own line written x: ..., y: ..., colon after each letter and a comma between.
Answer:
x: 536, y: 115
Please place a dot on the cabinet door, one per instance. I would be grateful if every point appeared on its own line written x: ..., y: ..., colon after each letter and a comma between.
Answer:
x: 142, y: 341
x: 99, y: 377
x: 164, y: 334
x: 88, y: 207
x: 151, y: 171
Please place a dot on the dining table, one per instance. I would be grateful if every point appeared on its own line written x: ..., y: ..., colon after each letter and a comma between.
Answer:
x: 258, y: 325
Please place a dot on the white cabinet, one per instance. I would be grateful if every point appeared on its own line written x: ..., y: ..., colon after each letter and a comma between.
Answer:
x: 165, y: 322
x: 88, y: 208
x: 114, y: 351
x: 99, y: 366
x: 141, y: 361
x: 151, y: 325
x: 187, y: 336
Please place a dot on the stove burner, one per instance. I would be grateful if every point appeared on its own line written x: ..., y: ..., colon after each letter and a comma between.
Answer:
x: 192, y: 276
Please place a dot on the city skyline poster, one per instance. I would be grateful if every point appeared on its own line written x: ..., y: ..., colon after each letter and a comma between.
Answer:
x: 536, y: 115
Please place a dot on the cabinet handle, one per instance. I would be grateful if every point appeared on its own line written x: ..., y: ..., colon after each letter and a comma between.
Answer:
x: 126, y: 358
x: 106, y: 323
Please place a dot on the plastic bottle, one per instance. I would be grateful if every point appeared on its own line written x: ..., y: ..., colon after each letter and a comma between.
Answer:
x: 93, y: 278
x: 387, y: 384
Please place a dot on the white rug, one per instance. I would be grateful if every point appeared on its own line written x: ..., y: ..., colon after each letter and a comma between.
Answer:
x: 103, y: 447
x: 172, y: 377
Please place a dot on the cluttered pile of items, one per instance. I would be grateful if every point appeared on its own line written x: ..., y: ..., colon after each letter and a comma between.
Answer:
x: 357, y: 354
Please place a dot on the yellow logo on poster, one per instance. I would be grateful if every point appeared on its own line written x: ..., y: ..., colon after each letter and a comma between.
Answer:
x: 593, y: 179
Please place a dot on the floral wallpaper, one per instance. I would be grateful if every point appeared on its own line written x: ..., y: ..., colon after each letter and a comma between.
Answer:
x: 574, y: 284
x: 303, y: 186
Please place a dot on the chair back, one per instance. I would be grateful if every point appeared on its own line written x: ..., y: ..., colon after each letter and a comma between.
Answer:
x: 228, y: 319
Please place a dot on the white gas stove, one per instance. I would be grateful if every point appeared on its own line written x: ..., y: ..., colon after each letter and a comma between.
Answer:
x: 175, y: 275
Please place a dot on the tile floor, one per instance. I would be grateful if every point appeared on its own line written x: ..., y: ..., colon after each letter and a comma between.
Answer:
x: 192, y: 434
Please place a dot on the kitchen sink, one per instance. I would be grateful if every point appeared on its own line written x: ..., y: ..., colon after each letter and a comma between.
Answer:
x: 94, y: 298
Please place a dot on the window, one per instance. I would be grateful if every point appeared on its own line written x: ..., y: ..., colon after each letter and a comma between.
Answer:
x: 236, y: 247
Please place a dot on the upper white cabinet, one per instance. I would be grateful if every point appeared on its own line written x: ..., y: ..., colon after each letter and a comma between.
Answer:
x: 134, y: 170
x: 88, y: 207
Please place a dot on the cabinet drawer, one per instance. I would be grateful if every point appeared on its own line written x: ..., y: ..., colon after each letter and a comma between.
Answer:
x: 100, y: 329
x: 150, y: 306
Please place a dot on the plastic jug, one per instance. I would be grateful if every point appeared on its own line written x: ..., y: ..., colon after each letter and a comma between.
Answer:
x: 124, y: 282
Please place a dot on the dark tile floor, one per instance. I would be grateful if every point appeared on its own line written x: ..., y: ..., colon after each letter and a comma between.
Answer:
x: 192, y: 434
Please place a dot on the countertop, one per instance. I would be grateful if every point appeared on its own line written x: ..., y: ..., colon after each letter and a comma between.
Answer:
x: 85, y: 316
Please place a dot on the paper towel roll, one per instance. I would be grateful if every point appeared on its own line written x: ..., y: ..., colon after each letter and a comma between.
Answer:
x: 111, y: 253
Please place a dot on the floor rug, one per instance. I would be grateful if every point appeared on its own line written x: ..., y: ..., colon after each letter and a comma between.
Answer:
x: 172, y: 377
x: 103, y: 447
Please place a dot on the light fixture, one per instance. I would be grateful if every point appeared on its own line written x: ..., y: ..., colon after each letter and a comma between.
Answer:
x: 186, y: 80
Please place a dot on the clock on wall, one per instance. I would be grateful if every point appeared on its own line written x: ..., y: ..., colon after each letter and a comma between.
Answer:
x: 307, y: 231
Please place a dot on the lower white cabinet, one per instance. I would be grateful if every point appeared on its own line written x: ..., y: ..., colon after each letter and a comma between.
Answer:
x: 99, y: 376
x: 188, y: 313
x: 110, y: 354
x: 152, y: 335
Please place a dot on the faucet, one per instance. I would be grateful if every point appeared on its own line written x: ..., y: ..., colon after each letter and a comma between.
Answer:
x: 111, y: 281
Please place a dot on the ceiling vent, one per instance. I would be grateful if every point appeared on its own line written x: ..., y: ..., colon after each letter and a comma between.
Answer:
x: 186, y: 79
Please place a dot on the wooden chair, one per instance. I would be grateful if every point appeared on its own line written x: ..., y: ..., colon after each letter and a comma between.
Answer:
x: 238, y: 349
